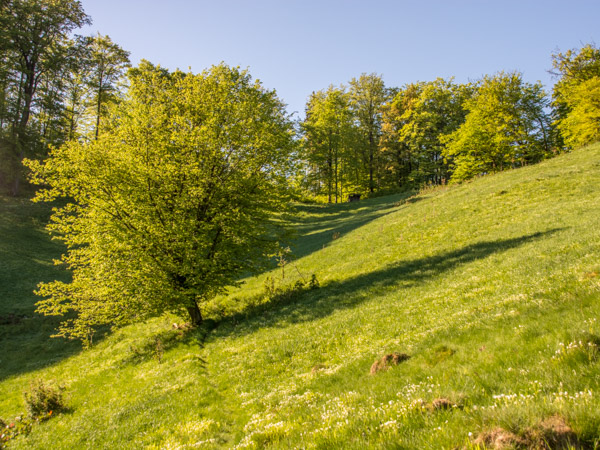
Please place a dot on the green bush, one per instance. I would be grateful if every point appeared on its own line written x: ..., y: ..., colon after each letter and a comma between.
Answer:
x: 43, y: 400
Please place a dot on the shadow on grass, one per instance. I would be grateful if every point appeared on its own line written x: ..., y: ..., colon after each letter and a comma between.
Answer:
x: 325, y: 223
x: 314, y: 304
x: 154, y: 346
x: 26, y: 258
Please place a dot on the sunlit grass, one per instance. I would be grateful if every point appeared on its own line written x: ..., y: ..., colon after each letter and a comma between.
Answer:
x: 491, y: 287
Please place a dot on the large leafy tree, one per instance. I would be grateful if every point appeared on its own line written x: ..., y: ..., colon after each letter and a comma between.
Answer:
x: 413, y: 124
x: 328, y: 138
x: 179, y: 196
x: 576, y: 97
x: 506, y: 126
x: 368, y: 94
x: 581, y: 125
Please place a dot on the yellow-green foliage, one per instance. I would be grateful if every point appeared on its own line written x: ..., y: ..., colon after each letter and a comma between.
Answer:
x: 582, y: 125
x: 577, y: 95
x: 175, y: 199
x: 505, y: 127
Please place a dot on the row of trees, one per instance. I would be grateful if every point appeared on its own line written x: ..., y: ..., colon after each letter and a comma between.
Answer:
x: 365, y: 137
x: 54, y: 87
x: 360, y: 138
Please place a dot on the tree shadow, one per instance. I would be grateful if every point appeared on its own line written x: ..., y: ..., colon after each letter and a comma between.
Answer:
x: 326, y: 223
x: 154, y: 346
x: 309, y: 305
x: 26, y: 258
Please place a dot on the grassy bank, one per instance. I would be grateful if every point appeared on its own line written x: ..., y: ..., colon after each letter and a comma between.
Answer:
x: 491, y: 289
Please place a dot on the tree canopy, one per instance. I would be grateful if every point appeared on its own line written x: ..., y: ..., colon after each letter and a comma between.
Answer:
x: 34, y: 50
x: 577, y: 95
x: 505, y: 126
x: 175, y: 199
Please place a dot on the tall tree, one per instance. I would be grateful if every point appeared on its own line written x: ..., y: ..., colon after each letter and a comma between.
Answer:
x: 581, y: 125
x: 34, y: 35
x: 575, y: 95
x: 178, y: 197
x: 413, y: 124
x: 506, y: 126
x: 107, y: 65
x: 400, y: 158
x: 327, y: 139
x: 367, y: 96
x: 75, y: 86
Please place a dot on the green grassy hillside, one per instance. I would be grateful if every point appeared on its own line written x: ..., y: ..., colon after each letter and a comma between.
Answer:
x: 491, y: 288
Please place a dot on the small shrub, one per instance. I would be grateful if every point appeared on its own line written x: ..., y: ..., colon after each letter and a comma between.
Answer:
x: 314, y: 282
x: 159, y: 350
x: 42, y: 400
x: 19, y: 426
x: 269, y: 286
x: 10, y: 430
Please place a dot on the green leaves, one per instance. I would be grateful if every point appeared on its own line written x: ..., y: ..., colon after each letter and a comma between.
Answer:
x: 577, y: 95
x: 173, y: 202
x: 506, y: 126
x: 582, y: 125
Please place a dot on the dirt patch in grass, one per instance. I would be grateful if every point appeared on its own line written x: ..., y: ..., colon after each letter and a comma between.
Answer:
x: 550, y: 434
x: 391, y: 359
x: 553, y: 433
x: 441, y: 403
x: 499, y: 438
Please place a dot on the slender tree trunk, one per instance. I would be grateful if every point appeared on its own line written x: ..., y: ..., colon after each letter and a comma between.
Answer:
x: 371, y: 159
x: 329, y: 170
x: 98, y: 107
x: 336, y: 174
x: 19, y: 135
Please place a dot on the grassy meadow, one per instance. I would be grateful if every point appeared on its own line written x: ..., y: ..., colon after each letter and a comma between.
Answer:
x: 489, y: 289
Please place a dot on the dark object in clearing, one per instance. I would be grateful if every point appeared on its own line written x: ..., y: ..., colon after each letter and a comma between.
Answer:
x: 387, y: 361
x: 11, y: 319
x: 354, y: 197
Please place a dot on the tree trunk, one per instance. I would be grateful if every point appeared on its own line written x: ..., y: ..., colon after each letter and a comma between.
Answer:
x: 371, y: 161
x: 329, y: 173
x: 195, y: 314
x: 19, y: 132
x: 98, y: 109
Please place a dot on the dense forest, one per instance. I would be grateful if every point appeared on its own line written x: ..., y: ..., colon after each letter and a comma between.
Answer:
x: 363, y: 137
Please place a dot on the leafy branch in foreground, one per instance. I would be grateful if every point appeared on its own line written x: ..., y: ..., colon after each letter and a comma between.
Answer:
x: 180, y: 195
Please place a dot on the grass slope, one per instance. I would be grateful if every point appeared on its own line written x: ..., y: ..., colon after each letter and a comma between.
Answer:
x: 492, y: 288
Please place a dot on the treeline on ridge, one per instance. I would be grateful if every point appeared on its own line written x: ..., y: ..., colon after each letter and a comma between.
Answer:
x: 365, y: 137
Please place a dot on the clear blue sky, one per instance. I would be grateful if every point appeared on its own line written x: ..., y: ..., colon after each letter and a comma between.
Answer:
x: 297, y: 47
